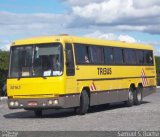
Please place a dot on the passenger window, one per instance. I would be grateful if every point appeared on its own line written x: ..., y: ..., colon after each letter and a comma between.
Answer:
x: 118, y: 55
x: 130, y: 56
x: 108, y: 55
x: 82, y: 54
x: 96, y: 55
x: 148, y: 57
x: 140, y: 57
x: 70, y: 69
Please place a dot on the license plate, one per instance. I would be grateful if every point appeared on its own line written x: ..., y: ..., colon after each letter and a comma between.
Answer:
x: 34, y: 103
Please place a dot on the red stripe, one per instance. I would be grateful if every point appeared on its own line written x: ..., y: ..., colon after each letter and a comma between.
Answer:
x: 91, y: 87
x: 144, y: 79
x: 94, y: 86
x: 145, y: 82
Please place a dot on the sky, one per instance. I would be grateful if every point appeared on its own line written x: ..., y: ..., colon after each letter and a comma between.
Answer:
x: 135, y: 21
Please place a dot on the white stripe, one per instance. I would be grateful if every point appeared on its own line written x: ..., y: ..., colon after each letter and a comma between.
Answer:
x: 93, y: 87
x: 144, y: 79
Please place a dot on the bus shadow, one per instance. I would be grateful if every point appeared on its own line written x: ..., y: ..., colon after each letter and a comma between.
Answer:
x: 63, y: 113
x: 51, y: 113
x: 109, y: 107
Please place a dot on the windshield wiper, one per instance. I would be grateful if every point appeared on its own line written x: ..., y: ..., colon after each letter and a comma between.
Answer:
x: 44, y: 77
x: 19, y: 76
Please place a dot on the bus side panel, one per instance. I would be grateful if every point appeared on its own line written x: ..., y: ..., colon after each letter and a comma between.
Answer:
x: 114, y: 87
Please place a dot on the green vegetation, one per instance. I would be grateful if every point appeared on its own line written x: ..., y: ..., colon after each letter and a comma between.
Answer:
x: 4, y: 59
x: 158, y: 66
x: 158, y: 69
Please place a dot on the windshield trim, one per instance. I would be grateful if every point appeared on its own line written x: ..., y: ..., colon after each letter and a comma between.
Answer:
x: 33, y: 56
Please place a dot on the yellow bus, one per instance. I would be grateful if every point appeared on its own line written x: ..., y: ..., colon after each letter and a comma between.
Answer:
x: 74, y: 72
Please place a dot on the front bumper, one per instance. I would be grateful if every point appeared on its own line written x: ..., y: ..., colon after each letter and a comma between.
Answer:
x: 39, y: 103
x: 66, y: 101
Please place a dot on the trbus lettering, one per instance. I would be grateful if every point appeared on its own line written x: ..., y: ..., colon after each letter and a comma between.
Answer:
x: 104, y: 71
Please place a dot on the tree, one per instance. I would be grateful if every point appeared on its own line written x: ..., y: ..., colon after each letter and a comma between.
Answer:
x: 4, y: 61
x: 157, y: 59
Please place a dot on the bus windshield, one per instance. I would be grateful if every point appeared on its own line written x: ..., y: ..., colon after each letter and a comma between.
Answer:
x: 38, y: 60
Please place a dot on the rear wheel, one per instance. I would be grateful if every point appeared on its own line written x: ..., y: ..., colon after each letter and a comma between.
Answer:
x: 38, y: 113
x: 84, y: 103
x: 138, y: 96
x: 130, y: 100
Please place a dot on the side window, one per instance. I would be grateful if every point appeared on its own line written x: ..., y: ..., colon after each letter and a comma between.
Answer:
x: 140, y: 57
x: 118, y: 55
x: 148, y: 57
x: 96, y: 54
x: 108, y: 55
x: 130, y: 56
x: 82, y: 54
x: 70, y: 69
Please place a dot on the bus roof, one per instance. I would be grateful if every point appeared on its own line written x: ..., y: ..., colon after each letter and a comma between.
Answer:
x: 75, y: 39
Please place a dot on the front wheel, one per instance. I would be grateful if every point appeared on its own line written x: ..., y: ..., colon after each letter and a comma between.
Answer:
x: 84, y: 103
x: 138, y: 96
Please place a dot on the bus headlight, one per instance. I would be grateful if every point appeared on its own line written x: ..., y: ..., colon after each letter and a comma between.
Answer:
x: 16, y: 103
x: 11, y: 103
x: 50, y: 102
x: 55, y: 102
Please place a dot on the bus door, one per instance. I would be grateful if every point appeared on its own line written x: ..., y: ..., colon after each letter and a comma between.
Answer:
x: 71, y: 83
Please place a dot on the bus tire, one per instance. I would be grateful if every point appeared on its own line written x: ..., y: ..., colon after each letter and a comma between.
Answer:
x: 138, y: 96
x: 130, y: 100
x: 38, y: 113
x: 84, y: 103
